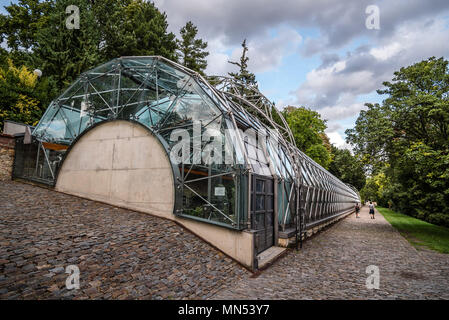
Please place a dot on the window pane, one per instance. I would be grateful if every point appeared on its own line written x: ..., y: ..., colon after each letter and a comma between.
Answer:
x: 260, y: 185
x: 260, y: 202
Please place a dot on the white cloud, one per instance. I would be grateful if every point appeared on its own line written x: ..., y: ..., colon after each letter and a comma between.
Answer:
x: 386, y: 52
x: 340, y: 112
x: 333, y: 126
x: 410, y: 31
x: 217, y: 64
x: 217, y: 60
x: 336, y: 139
x: 338, y: 22
x: 323, y: 87
x: 334, y: 88
x: 265, y: 52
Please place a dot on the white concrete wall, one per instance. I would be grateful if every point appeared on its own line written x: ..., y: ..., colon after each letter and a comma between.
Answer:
x: 123, y: 164
x: 120, y: 163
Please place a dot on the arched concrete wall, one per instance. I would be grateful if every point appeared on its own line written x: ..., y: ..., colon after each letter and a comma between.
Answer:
x: 124, y: 164
x: 121, y: 163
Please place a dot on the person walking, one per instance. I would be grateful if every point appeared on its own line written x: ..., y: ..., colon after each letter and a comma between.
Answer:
x: 371, y: 209
x: 357, y: 209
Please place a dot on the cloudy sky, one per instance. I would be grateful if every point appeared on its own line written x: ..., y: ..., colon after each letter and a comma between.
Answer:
x: 317, y: 53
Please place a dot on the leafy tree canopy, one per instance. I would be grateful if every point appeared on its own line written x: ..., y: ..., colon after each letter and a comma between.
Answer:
x: 406, y: 140
x: 20, y: 26
x: 36, y: 34
x: 308, y: 131
x: 22, y: 95
x: 347, y: 167
x: 133, y: 28
x: 191, y: 51
x: 65, y: 53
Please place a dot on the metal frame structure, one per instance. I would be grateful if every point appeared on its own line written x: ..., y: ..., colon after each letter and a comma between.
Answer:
x: 165, y: 96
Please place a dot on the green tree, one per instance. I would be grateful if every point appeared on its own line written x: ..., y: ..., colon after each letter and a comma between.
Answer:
x: 320, y: 154
x: 406, y: 139
x: 3, y: 56
x: 23, y: 21
x: 65, y: 53
x: 19, y: 27
x: 36, y: 34
x: 133, y: 28
x: 347, y: 167
x: 21, y: 92
x: 246, y: 77
x: 191, y: 51
x: 419, y: 103
x: 373, y: 189
x: 308, y: 131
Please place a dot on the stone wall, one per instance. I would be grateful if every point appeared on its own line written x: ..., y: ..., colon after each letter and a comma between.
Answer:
x: 6, y: 156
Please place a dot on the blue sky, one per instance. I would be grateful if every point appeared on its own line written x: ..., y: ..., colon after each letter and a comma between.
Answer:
x: 319, y: 53
x: 3, y: 3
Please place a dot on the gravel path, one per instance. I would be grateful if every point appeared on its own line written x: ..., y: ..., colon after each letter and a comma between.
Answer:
x: 332, y: 265
x: 121, y: 254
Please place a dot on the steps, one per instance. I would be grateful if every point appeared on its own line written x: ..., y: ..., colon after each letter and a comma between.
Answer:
x: 268, y: 256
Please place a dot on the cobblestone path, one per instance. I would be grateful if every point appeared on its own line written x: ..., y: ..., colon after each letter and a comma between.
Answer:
x: 121, y: 254
x: 332, y: 265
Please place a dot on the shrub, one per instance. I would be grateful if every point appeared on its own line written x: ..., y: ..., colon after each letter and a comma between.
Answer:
x: 440, y: 219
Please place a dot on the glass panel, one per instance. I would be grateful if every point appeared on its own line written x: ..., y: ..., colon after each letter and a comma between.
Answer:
x: 260, y: 185
x: 164, y: 97
x: 269, y: 186
x: 211, y: 195
x: 260, y: 202
x: 104, y: 68
x: 269, y: 202
x: 40, y: 130
x: 260, y: 221
x: 264, y: 170
x: 256, y: 167
x: 251, y: 151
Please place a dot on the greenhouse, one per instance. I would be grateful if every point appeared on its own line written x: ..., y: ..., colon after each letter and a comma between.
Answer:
x: 211, y: 153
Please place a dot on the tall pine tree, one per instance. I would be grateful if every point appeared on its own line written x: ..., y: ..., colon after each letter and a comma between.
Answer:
x: 246, y: 79
x: 191, y: 51
x: 65, y: 53
x: 108, y: 29
x: 19, y: 27
x: 244, y: 76
x: 133, y: 28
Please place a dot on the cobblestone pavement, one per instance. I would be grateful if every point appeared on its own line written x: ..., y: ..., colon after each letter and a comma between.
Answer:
x: 121, y: 254
x: 332, y: 265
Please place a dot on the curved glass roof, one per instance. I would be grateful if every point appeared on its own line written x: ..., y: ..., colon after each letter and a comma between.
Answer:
x: 166, y: 97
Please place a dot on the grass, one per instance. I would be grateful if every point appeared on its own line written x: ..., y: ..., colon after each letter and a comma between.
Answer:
x: 418, y: 232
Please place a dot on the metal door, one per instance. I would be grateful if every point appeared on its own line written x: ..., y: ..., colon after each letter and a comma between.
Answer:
x: 262, y: 213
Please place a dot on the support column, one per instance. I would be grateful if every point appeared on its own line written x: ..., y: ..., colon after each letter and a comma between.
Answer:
x: 275, y: 210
